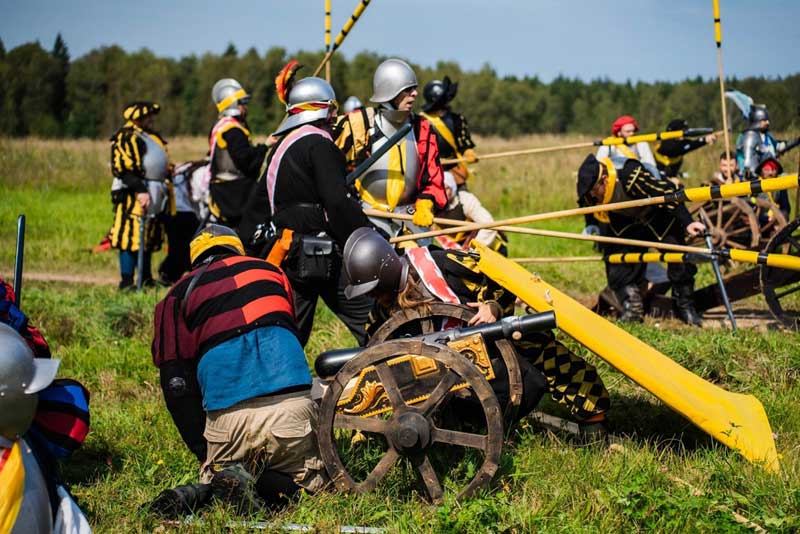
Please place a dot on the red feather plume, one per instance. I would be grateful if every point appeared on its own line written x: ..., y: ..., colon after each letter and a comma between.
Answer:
x: 285, y: 80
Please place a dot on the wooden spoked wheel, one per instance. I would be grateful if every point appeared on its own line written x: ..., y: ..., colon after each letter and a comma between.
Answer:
x: 409, y: 433
x: 771, y: 220
x: 428, y: 318
x: 781, y: 287
x: 733, y: 223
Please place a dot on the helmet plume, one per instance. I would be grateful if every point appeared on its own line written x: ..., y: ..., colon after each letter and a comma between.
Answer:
x: 285, y: 80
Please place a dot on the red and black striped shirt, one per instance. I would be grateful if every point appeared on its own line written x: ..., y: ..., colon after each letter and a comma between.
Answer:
x: 234, y: 295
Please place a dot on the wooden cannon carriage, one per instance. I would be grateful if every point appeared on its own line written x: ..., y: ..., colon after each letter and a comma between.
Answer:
x: 426, y: 404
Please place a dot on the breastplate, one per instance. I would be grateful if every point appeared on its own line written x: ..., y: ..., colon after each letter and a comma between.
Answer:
x: 154, y: 162
x: 392, y: 180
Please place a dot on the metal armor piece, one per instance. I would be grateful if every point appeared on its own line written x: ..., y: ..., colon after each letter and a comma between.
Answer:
x: 751, y: 148
x: 758, y: 113
x: 154, y: 164
x: 390, y: 79
x: 229, y: 92
x: 311, y: 92
x: 351, y: 104
x: 21, y: 376
x: 370, y: 262
x: 35, y: 515
x: 392, y: 180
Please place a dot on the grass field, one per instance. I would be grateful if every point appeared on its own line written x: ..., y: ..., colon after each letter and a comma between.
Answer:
x: 663, y: 475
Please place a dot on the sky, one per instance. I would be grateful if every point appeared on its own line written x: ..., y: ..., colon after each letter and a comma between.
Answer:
x: 618, y: 39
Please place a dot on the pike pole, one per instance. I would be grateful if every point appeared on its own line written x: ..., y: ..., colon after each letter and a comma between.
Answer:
x: 140, y: 253
x: 607, y: 141
x: 327, y: 39
x: 694, y: 194
x: 718, y: 38
x: 342, y: 34
x: 19, y: 259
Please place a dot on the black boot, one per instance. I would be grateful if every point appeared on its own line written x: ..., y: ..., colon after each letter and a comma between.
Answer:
x: 234, y: 485
x: 180, y: 501
x: 633, y: 308
x: 685, y: 305
x: 126, y: 284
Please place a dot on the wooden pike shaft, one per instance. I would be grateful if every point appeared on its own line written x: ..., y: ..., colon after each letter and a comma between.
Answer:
x: 718, y: 39
x: 343, y: 33
x: 694, y: 194
x: 561, y: 259
x: 608, y: 141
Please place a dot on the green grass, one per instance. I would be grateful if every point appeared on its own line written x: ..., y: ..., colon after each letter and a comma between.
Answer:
x: 663, y: 475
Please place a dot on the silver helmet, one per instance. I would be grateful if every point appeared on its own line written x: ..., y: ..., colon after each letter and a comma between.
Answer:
x: 370, y: 262
x: 313, y: 93
x: 227, y: 94
x: 758, y: 113
x: 351, y: 104
x: 391, y: 78
x: 21, y: 376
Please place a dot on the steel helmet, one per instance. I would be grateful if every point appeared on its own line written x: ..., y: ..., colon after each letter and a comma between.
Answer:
x: 21, y: 376
x: 438, y: 93
x: 370, y: 262
x: 758, y: 113
x: 309, y: 100
x: 227, y: 94
x: 214, y: 236
x: 351, y: 104
x: 391, y: 78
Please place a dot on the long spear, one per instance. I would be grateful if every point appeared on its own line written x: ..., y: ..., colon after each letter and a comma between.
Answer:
x: 626, y: 257
x: 694, y: 194
x: 342, y: 34
x: 327, y: 38
x: 607, y: 141
x: 718, y: 38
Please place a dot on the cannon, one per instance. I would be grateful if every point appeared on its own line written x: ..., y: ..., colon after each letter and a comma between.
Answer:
x: 407, y: 394
x: 417, y: 406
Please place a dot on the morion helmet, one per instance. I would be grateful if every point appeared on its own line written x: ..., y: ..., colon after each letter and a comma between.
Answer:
x: 21, y: 377
x: 370, y: 262
x: 227, y: 94
x: 213, y: 236
x: 309, y: 100
x: 391, y: 78
x: 351, y: 104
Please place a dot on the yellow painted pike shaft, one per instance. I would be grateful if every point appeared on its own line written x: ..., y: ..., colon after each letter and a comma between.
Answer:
x: 694, y: 194
x: 343, y: 33
x: 738, y: 421
x: 327, y: 25
x: 658, y: 257
x: 633, y: 139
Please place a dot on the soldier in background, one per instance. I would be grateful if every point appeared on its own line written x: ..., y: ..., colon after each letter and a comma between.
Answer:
x: 352, y: 104
x: 451, y: 128
x: 140, y: 166
x: 409, y: 174
x: 669, y: 153
x: 234, y: 161
x: 755, y: 143
x: 626, y: 126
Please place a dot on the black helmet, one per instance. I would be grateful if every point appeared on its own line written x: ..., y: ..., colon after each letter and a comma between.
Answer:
x: 370, y: 262
x: 758, y: 113
x: 677, y: 125
x: 438, y: 93
x: 213, y: 236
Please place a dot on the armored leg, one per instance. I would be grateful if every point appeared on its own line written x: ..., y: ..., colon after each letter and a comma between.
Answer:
x: 572, y: 381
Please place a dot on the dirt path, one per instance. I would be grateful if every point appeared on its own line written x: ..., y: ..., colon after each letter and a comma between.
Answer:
x: 92, y: 279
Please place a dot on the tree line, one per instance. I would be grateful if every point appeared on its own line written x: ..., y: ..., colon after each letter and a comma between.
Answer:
x: 46, y: 93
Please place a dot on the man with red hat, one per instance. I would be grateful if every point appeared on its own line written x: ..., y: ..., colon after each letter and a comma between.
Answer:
x: 624, y: 127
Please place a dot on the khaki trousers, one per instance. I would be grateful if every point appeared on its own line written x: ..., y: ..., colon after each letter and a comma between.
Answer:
x: 272, y: 432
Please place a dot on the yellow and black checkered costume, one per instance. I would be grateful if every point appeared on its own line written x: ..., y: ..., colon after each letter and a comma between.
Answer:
x: 571, y: 380
x: 127, y: 153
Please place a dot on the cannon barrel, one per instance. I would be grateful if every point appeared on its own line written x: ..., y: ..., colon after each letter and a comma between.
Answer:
x: 329, y: 362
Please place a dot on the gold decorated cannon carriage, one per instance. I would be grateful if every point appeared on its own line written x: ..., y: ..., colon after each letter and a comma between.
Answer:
x: 426, y: 403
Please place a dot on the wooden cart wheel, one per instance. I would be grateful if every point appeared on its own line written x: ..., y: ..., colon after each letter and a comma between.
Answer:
x: 772, y: 220
x: 780, y: 286
x: 734, y: 223
x: 428, y: 318
x: 409, y: 432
